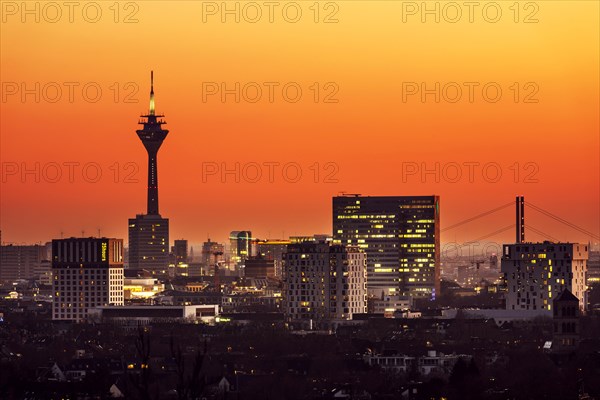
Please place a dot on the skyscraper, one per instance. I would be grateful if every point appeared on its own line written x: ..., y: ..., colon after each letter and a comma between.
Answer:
x: 87, y: 272
x: 149, y: 233
x: 401, y: 237
x: 241, y: 246
x: 180, y: 250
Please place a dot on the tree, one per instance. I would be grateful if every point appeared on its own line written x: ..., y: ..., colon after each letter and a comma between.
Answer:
x: 142, y: 381
x: 465, y: 381
x: 189, y: 386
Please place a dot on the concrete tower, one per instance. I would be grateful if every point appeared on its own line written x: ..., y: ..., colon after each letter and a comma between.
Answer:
x: 149, y: 233
x: 152, y: 137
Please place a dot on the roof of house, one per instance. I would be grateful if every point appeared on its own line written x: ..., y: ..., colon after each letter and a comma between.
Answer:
x: 566, y: 295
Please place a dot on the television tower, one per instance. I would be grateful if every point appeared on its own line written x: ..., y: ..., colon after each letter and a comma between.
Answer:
x: 152, y: 137
x: 149, y: 233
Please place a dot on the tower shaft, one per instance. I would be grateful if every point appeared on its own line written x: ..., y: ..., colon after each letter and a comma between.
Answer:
x: 152, y: 183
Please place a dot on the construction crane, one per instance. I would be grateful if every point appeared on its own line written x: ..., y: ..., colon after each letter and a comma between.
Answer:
x: 477, y: 263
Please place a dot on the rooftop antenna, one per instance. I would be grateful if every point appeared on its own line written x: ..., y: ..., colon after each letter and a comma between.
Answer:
x: 151, y: 93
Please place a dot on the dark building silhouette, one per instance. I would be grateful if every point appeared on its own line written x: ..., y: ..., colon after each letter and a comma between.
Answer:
x: 180, y: 249
x: 401, y: 237
x: 566, y: 322
x: 494, y: 261
x: 149, y: 233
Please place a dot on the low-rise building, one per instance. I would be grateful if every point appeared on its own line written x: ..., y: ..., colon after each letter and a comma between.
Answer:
x: 565, y: 336
x: 390, y: 304
x: 141, y: 288
x: 432, y: 363
x: 146, y: 315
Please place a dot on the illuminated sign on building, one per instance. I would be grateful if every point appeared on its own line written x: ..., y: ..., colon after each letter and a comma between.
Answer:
x: 104, y: 248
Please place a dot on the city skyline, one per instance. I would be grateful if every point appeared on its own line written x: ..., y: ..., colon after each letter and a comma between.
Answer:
x: 448, y: 239
x: 561, y: 234
x: 359, y: 199
x: 370, y: 109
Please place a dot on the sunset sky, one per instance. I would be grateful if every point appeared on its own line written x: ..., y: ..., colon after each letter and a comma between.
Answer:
x: 367, y: 61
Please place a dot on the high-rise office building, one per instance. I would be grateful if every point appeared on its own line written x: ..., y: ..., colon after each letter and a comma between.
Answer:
x: 241, y: 246
x: 536, y: 273
x: 324, y: 282
x: 401, y: 238
x: 149, y: 233
x: 87, y: 272
x: 20, y: 262
x: 180, y: 250
x: 149, y: 243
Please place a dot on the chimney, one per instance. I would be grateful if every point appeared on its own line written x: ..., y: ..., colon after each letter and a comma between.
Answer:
x: 520, y: 218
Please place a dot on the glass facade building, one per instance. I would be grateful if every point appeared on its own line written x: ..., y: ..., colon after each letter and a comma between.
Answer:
x: 400, y: 236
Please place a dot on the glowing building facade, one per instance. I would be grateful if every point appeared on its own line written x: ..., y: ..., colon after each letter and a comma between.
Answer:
x: 536, y: 273
x: 400, y: 236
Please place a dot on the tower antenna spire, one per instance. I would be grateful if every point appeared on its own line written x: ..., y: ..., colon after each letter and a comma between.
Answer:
x: 151, y: 93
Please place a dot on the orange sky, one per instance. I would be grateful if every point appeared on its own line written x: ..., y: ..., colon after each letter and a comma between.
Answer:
x: 369, y: 55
